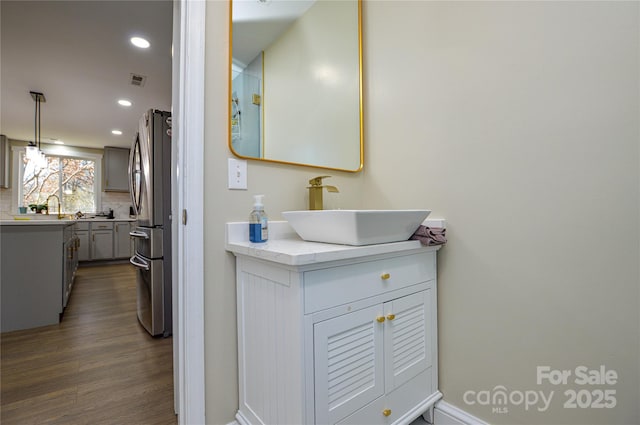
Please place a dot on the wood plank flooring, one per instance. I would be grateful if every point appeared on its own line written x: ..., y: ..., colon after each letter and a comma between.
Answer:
x: 98, y: 366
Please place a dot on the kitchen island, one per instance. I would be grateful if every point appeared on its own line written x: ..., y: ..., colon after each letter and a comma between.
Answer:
x: 38, y: 259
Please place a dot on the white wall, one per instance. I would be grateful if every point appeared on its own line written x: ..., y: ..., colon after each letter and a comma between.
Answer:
x: 311, y: 85
x: 520, y: 127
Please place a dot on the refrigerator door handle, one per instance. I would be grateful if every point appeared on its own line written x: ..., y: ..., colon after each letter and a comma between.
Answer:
x: 138, y: 234
x: 141, y: 265
x: 131, y: 171
x: 135, y: 175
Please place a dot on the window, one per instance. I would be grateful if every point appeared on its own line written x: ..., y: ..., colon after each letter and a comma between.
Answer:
x: 72, y: 176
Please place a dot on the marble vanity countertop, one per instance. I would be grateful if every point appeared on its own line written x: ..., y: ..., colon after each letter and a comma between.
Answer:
x: 286, y: 247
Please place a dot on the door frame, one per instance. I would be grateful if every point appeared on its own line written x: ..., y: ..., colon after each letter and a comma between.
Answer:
x: 187, y: 209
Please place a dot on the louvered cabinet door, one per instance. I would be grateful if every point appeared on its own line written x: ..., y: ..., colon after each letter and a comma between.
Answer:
x: 407, y: 337
x: 348, y: 369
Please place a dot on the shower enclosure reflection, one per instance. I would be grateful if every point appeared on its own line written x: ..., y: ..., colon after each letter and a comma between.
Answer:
x: 246, y: 109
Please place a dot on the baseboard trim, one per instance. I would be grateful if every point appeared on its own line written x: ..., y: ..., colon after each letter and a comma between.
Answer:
x: 448, y: 414
x: 444, y: 414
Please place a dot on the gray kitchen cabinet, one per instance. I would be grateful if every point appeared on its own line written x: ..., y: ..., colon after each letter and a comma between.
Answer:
x: 101, y: 245
x: 116, y: 169
x: 4, y: 161
x: 82, y: 231
x: 70, y: 262
x: 37, y: 269
x: 122, y: 240
x: 102, y: 240
x: 84, y: 254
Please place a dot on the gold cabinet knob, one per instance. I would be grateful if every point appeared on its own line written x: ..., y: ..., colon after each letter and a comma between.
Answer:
x: 386, y: 412
x: 385, y: 276
x: 380, y: 319
x: 391, y: 316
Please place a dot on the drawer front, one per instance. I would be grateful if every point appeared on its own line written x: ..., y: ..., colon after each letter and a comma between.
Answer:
x: 82, y: 225
x: 371, y: 414
x: 102, y: 225
x: 409, y: 395
x: 340, y: 285
x: 395, y: 404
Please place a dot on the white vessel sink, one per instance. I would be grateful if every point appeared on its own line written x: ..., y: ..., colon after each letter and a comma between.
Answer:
x: 355, y: 227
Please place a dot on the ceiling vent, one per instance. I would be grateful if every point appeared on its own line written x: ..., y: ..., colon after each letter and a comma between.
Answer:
x: 138, y: 80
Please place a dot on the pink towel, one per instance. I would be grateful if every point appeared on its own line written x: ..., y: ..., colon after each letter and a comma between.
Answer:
x: 430, y: 235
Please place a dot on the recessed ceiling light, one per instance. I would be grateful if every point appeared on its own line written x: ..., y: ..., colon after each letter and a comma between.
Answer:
x: 124, y: 102
x: 116, y: 132
x: 140, y: 42
x: 58, y: 142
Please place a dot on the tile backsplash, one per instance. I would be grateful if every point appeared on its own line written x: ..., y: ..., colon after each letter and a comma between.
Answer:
x: 5, y: 204
x: 118, y: 201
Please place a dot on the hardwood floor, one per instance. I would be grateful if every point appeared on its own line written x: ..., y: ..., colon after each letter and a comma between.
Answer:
x: 98, y: 366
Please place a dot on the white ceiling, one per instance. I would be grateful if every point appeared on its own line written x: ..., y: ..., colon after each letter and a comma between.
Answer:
x: 79, y: 55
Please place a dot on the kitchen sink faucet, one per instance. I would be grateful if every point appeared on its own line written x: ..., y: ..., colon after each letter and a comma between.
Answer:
x: 59, y: 206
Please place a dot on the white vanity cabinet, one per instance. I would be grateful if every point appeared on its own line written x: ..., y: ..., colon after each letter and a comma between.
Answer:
x: 343, y: 341
x: 364, y: 360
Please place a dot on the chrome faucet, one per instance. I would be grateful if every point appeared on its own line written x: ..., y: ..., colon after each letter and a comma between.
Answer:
x: 59, y: 206
x: 315, y: 192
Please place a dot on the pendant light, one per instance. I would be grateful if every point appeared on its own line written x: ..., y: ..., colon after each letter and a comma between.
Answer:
x: 34, y: 150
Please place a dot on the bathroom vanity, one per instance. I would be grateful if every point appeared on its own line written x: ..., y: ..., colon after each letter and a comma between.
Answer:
x: 334, y: 334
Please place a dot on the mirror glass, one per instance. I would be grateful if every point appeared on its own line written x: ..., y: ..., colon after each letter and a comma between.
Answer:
x: 296, y: 82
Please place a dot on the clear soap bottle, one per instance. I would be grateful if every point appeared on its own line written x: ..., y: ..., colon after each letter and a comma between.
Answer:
x: 258, y: 222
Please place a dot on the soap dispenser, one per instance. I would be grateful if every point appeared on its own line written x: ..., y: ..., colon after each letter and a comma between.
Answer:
x: 258, y: 222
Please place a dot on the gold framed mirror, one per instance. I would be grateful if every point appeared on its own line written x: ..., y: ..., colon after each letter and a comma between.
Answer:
x: 295, y: 85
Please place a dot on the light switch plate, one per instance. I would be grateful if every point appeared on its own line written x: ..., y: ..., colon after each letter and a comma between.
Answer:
x: 237, y: 174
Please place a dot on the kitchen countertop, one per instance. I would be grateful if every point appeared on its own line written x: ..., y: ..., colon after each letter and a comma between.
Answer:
x: 105, y: 219
x: 29, y: 221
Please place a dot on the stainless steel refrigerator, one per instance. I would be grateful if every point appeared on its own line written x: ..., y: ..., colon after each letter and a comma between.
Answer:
x: 150, y: 187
